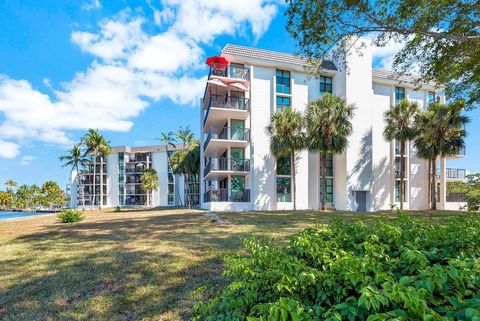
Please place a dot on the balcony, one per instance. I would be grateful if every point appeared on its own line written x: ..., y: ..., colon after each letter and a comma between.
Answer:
x: 219, y: 139
x: 226, y: 195
x: 234, y: 72
x: 221, y: 107
x: 456, y: 173
x: 218, y: 168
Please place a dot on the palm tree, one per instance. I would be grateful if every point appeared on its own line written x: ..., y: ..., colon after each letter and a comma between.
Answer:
x: 76, y: 159
x: 441, y: 134
x: 98, y: 147
x: 169, y: 141
x: 287, y: 138
x: 36, y: 193
x: 328, y: 125
x: 5, y: 198
x: 149, y: 183
x: 187, y: 137
x: 187, y: 163
x: 10, y: 186
x: 401, y: 127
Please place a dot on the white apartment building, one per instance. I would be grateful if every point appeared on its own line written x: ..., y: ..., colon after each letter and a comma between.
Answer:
x: 238, y: 171
x: 121, y: 180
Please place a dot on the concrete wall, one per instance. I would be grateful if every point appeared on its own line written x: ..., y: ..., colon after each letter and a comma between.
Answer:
x: 112, y: 180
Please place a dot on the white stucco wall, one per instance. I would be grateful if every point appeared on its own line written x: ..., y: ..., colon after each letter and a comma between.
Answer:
x: 112, y: 180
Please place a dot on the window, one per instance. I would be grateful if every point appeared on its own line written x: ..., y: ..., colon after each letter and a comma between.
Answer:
x: 397, y: 191
x: 397, y: 166
x: 284, y: 192
x: 325, y: 85
x: 432, y: 97
x: 284, y: 180
x: 283, y: 102
x: 283, y: 81
x: 399, y: 94
x: 328, y: 181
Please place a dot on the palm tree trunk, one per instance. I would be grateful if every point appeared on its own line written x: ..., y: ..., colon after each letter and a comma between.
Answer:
x: 429, y: 181
x: 94, y: 179
x: 100, y: 202
x: 294, y: 185
x: 402, y: 174
x: 434, y: 187
x: 323, y: 173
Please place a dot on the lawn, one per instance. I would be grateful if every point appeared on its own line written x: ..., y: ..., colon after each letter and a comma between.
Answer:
x: 136, y: 265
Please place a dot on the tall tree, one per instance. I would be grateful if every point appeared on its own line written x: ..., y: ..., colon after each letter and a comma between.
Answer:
x: 186, y: 136
x: 10, y: 184
x: 169, y: 140
x: 442, y: 134
x: 36, y: 193
x: 5, y: 198
x: 401, y: 127
x: 328, y: 126
x: 442, y: 38
x: 98, y: 147
x: 149, y: 183
x: 187, y: 163
x: 75, y: 159
x: 286, y: 139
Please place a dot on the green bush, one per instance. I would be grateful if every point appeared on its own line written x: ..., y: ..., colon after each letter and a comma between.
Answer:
x: 386, y: 270
x: 70, y: 216
x: 473, y: 199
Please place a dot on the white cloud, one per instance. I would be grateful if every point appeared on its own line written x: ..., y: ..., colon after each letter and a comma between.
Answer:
x: 94, y: 4
x: 27, y: 159
x: 8, y: 149
x: 131, y: 68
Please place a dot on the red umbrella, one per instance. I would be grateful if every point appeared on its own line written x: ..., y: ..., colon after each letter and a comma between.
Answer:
x: 217, y: 62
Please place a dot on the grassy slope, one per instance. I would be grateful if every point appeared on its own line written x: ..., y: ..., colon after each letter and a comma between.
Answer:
x: 127, y: 266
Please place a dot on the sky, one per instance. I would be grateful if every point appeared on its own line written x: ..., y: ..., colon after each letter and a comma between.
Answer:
x: 132, y: 69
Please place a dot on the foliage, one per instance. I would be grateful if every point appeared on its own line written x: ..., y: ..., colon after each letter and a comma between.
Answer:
x: 70, y: 216
x: 441, y: 134
x: 348, y: 270
x: 442, y: 38
x: 328, y: 126
x: 287, y: 138
x: 149, y: 183
x: 457, y: 187
x: 473, y: 180
x: 52, y: 194
x: 473, y: 199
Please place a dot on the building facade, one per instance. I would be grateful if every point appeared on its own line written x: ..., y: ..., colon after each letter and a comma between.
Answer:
x: 121, y: 184
x: 238, y: 170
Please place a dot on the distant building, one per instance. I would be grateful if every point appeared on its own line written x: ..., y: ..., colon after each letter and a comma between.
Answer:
x: 121, y: 180
x: 238, y: 170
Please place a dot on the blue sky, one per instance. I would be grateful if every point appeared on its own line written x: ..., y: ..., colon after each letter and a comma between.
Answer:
x: 132, y: 69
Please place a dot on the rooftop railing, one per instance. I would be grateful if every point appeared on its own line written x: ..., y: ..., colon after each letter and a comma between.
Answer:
x: 456, y: 173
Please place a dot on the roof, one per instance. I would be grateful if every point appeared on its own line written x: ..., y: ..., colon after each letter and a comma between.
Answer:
x: 249, y: 52
x: 391, y: 75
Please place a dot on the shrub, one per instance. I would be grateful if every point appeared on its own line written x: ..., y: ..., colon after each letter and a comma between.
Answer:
x: 386, y: 270
x: 70, y: 216
x: 473, y: 199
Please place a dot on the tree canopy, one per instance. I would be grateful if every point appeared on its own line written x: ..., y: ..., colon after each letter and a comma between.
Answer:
x: 442, y: 37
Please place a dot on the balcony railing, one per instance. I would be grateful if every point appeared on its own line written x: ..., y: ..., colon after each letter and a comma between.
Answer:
x: 456, y: 197
x: 236, y: 72
x: 227, y: 164
x: 226, y: 195
x: 227, y: 133
x: 226, y: 102
x: 456, y: 173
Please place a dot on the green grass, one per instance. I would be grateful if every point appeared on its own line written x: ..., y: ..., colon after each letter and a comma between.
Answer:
x: 133, y: 265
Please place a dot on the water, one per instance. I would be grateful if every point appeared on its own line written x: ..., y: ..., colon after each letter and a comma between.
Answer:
x: 7, y: 215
